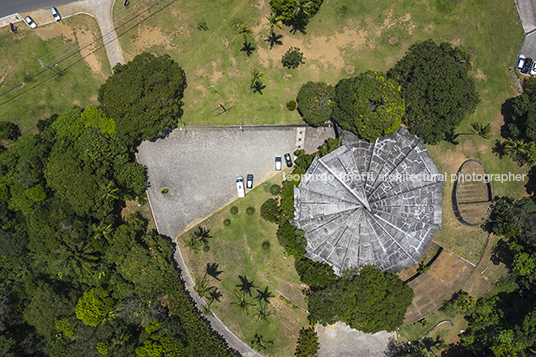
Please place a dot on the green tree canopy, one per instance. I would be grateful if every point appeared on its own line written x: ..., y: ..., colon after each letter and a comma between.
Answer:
x: 314, y: 102
x: 368, y: 105
x: 296, y: 13
x: 94, y: 306
x: 369, y: 301
x: 437, y: 88
x: 144, y: 96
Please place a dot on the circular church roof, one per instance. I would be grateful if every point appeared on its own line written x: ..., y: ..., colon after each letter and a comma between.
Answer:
x: 370, y: 203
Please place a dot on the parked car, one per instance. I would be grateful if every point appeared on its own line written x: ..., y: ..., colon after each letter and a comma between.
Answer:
x: 249, y: 181
x: 520, y: 62
x: 55, y: 14
x: 288, y: 160
x: 30, y: 22
x: 527, y: 66
x: 277, y: 162
x: 240, y: 187
x: 533, y: 69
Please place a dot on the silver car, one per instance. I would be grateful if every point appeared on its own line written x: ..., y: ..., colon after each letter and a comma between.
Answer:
x: 55, y: 14
x: 30, y: 22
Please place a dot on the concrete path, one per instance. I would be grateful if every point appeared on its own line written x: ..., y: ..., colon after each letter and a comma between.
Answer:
x: 340, y: 340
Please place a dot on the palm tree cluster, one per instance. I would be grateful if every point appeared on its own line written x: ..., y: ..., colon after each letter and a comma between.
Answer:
x: 244, y: 303
x: 211, y: 293
x: 484, y: 131
x: 520, y: 151
x: 274, y: 20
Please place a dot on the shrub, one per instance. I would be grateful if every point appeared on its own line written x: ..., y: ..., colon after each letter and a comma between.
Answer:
x: 250, y: 211
x: 206, y: 248
x: 270, y: 210
x: 265, y: 245
x: 291, y: 105
x: 164, y: 191
x: 234, y: 210
x: 275, y: 189
x: 227, y: 222
x: 292, y: 58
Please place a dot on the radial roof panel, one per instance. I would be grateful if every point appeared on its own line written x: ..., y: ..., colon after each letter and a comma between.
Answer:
x: 349, y: 222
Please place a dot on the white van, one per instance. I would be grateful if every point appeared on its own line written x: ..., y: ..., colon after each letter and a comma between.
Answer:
x: 240, y: 187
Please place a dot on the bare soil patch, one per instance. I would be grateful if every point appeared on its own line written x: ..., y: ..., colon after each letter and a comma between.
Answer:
x: 446, y: 276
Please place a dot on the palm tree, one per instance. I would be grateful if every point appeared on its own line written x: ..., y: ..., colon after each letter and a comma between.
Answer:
x: 515, y: 147
x: 263, y: 313
x: 193, y: 243
x: 244, y: 30
x: 245, y: 285
x: 102, y: 230
x: 274, y: 20
x: 78, y: 259
x: 201, y: 286
x: 301, y: 7
x: 109, y: 191
x: 255, y: 76
x: 202, y: 235
x: 242, y: 302
x: 481, y: 130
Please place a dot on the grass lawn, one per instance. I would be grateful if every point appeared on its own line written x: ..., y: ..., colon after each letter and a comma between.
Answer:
x: 445, y: 331
x: 237, y: 251
x: 48, y: 93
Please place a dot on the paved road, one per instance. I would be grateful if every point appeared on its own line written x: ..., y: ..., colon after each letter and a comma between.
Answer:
x: 527, y: 14
x: 8, y: 7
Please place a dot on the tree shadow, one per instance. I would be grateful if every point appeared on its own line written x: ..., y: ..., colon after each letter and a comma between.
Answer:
x: 274, y: 39
x: 258, y: 87
x: 507, y: 110
x: 531, y: 183
x: 248, y: 48
x: 498, y: 149
x: 502, y: 253
x: 212, y: 270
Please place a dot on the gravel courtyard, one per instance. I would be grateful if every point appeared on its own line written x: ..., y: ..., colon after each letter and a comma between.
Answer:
x: 199, y: 166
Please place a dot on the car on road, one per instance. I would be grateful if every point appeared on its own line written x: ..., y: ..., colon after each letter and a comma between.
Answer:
x: 527, y: 66
x: 277, y: 162
x: 55, y: 14
x: 520, y: 62
x: 30, y: 22
x: 288, y: 160
x: 533, y: 69
x: 249, y: 181
x: 240, y: 187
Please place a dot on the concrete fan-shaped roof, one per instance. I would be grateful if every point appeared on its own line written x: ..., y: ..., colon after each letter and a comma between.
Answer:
x: 370, y: 203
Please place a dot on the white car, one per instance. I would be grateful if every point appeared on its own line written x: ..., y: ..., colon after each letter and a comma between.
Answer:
x: 55, y: 14
x: 533, y: 69
x: 240, y: 187
x: 277, y: 162
x: 30, y: 22
x: 520, y: 62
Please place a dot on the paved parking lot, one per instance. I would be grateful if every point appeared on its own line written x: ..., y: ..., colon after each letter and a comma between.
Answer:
x: 199, y: 167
